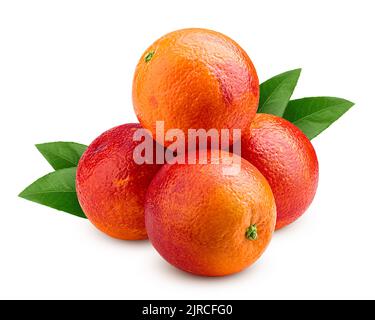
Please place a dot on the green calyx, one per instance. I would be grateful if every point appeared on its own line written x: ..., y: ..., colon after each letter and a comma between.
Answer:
x: 252, y: 232
x: 149, y: 56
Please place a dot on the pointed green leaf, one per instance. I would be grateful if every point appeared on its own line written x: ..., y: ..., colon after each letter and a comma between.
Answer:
x: 62, y: 155
x: 56, y: 190
x: 275, y: 93
x: 315, y: 114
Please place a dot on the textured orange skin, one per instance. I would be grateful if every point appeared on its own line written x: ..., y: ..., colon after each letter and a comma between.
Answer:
x: 196, y: 79
x: 287, y: 159
x: 197, y: 217
x: 111, y: 187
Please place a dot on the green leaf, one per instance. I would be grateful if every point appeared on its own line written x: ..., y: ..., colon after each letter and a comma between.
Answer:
x: 315, y: 114
x: 56, y: 190
x: 275, y: 93
x: 62, y: 155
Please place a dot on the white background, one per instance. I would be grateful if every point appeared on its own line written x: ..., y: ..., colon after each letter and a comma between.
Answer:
x: 66, y: 70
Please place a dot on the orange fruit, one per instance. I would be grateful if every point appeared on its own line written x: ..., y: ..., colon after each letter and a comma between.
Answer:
x: 195, y: 79
x: 206, y: 222
x: 287, y: 159
x: 111, y: 187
